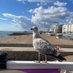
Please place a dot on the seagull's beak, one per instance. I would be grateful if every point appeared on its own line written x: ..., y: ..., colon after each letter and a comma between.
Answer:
x: 31, y: 28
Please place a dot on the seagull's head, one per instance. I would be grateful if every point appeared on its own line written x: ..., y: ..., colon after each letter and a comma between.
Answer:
x: 34, y: 28
x: 35, y: 32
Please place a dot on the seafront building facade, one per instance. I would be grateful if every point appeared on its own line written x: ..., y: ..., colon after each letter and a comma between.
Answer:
x: 63, y: 31
x: 67, y: 28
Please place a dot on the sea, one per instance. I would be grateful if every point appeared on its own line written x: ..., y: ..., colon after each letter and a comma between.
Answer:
x: 8, y: 33
x: 5, y: 33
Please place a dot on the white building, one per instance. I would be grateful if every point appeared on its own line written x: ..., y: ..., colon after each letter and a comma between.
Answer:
x: 67, y: 28
x: 67, y: 31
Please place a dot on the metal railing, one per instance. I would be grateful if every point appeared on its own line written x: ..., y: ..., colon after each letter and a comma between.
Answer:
x: 66, y: 66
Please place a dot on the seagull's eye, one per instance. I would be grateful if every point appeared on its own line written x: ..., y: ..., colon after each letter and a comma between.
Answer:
x: 36, y: 28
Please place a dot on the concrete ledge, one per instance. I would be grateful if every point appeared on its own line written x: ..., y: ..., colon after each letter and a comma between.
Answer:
x: 24, y: 55
x: 30, y: 55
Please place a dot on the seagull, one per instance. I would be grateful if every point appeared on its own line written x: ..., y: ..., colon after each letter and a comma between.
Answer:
x: 44, y: 47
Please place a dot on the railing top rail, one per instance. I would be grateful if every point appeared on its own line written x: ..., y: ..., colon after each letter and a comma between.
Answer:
x: 34, y: 65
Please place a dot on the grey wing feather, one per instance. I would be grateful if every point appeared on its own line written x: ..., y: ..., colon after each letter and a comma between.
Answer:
x: 43, y: 46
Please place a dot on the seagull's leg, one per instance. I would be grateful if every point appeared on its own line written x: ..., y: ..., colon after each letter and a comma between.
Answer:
x: 45, y: 58
x: 39, y: 57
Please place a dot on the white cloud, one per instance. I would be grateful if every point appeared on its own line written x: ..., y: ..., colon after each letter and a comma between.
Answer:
x: 41, y: 0
x: 30, y: 11
x: 52, y: 15
x: 23, y: 1
x: 69, y: 19
x: 22, y: 21
x: 58, y: 3
x: 37, y: 0
x: 3, y: 19
x: 38, y: 4
x: 49, y: 16
x: 46, y: 17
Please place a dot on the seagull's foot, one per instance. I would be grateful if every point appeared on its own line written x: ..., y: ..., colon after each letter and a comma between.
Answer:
x: 44, y: 61
x: 37, y: 61
x: 57, y: 61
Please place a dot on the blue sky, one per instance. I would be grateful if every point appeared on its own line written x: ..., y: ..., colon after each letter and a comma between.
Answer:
x: 20, y: 15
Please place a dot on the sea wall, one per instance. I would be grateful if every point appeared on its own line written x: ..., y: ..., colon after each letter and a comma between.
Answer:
x: 33, y: 55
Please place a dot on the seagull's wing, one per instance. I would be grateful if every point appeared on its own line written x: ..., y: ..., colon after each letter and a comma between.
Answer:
x: 43, y: 46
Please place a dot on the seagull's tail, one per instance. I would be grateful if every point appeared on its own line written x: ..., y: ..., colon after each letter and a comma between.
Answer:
x: 58, y: 56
